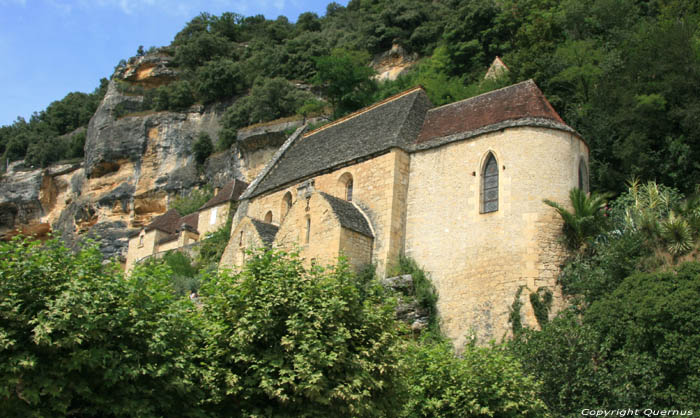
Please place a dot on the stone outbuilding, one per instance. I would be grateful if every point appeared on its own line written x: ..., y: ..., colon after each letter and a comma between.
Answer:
x: 171, y: 231
x: 458, y: 188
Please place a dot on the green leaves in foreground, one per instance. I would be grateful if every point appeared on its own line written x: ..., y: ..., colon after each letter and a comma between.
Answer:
x: 286, y: 340
x: 76, y: 338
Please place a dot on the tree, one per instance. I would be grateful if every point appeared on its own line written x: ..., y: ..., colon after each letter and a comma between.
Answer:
x: 650, y: 331
x: 286, y: 340
x: 586, y: 221
x: 481, y: 382
x: 219, y: 79
x: 345, y: 79
x: 202, y: 148
x: 77, y: 338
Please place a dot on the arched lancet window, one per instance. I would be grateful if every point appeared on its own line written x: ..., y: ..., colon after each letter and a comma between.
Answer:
x: 345, y: 186
x: 489, y: 185
x: 582, y: 176
x: 308, y: 230
x: 286, y: 205
x: 268, y: 217
x: 240, y: 240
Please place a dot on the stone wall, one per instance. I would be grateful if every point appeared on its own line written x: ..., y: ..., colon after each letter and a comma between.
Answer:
x: 205, y: 224
x: 243, y: 237
x: 142, y: 246
x: 321, y: 244
x: 479, y: 260
x: 356, y: 247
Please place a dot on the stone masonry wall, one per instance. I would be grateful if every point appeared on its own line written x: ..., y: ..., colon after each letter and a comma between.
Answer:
x: 324, y: 235
x: 478, y: 261
x: 205, y: 225
x: 356, y: 247
x: 138, y: 249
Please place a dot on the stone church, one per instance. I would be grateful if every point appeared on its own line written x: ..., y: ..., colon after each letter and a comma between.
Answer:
x: 458, y: 188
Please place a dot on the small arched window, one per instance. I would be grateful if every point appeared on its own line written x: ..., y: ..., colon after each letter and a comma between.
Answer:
x: 268, y: 217
x: 489, y: 185
x: 308, y: 230
x: 582, y: 176
x: 240, y: 240
x: 345, y: 186
x: 286, y: 204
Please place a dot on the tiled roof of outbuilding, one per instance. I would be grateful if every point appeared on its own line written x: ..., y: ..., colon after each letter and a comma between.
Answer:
x: 167, y: 222
x: 348, y: 215
x: 394, y: 122
x: 231, y: 191
x: 192, y: 220
x: 522, y: 101
x: 266, y: 231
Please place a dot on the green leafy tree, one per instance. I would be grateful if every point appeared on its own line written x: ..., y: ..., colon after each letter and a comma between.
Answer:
x: 219, y: 79
x: 346, y: 80
x: 77, y: 338
x: 202, y: 148
x: 286, y: 340
x: 481, y: 382
x: 650, y: 330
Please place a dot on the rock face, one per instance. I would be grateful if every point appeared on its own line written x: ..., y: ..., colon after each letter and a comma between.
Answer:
x: 392, y: 63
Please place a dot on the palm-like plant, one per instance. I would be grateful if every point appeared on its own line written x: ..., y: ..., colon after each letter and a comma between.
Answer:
x: 677, y: 235
x: 587, y: 219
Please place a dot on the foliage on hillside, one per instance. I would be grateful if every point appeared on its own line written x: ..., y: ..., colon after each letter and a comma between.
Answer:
x: 49, y: 135
x: 631, y: 333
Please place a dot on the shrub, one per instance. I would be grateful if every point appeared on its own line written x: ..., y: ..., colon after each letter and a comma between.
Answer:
x: 192, y: 201
x: 77, y: 338
x: 202, y: 148
x: 287, y: 341
x: 481, y: 382
x: 650, y: 329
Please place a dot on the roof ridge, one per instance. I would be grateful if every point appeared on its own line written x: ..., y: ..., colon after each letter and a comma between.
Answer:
x: 528, y: 81
x: 364, y: 110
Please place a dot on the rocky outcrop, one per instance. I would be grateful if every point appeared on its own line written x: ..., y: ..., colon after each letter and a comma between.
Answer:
x: 150, y: 70
x: 408, y: 309
x: 392, y: 63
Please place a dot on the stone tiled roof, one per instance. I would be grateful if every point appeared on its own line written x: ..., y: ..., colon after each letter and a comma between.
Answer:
x: 171, y: 223
x: 403, y: 121
x: 266, y: 231
x: 394, y: 122
x: 192, y: 220
x: 167, y: 222
x: 519, y: 104
x: 348, y: 215
x: 231, y: 191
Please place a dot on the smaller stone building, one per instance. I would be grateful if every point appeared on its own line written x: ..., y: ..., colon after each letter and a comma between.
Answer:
x: 171, y: 231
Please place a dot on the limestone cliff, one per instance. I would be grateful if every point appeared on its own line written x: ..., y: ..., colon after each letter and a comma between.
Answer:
x: 133, y: 165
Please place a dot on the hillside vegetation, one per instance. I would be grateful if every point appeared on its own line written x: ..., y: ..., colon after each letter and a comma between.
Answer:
x: 625, y: 74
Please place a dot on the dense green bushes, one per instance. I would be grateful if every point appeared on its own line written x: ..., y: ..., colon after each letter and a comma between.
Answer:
x: 630, y: 335
x: 276, y: 339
